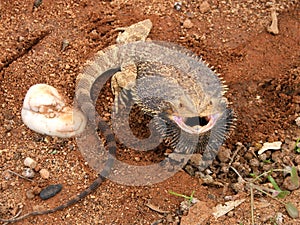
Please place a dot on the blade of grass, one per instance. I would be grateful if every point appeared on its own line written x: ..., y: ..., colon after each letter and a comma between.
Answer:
x: 283, y: 194
x: 294, y: 176
x: 273, y: 182
x: 292, y: 210
x: 190, y: 198
x: 179, y: 195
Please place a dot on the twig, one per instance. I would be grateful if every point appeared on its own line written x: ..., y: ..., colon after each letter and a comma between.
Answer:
x: 19, y: 175
x: 252, y: 203
x: 233, y: 156
x: 237, y: 173
x: 156, y: 209
x: 266, y: 193
x: 268, y: 172
x: 14, y: 217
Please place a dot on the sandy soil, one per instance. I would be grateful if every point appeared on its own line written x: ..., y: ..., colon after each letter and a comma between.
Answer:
x: 262, y: 71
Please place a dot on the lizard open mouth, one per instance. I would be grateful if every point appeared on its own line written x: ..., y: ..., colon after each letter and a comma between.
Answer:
x: 196, y: 125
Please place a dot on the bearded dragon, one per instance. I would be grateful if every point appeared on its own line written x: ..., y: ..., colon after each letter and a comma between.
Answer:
x: 184, y: 96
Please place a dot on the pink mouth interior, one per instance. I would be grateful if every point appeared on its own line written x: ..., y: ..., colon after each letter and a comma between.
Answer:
x: 199, y: 127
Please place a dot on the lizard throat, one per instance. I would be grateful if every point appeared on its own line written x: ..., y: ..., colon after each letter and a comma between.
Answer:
x: 195, y: 125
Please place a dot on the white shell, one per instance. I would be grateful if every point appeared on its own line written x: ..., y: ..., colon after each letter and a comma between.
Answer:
x: 44, y: 111
x: 270, y: 146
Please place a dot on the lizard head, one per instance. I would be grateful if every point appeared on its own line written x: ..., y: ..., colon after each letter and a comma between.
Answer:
x: 186, y: 106
x: 190, y: 130
x: 195, y: 117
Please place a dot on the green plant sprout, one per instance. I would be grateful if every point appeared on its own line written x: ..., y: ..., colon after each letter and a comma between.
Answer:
x: 267, y: 161
x: 290, y: 208
x: 189, y: 198
x: 294, y: 176
x: 297, y: 147
x: 277, y: 193
x: 255, y: 176
x: 292, y: 171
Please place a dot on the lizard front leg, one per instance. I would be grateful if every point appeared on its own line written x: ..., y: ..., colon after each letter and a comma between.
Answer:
x: 122, y: 82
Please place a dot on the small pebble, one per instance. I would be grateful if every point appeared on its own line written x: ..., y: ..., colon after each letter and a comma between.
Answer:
x: 7, y: 175
x: 169, y: 218
x: 30, y: 194
x: 262, y: 157
x: 269, y: 4
x: 7, y: 127
x: 287, y: 184
x: 248, y: 156
x: 298, y: 121
x: 36, y: 190
x: 228, y: 198
x: 286, y: 159
x: 137, y: 159
x: 254, y: 162
x: 238, y: 187
x: 190, y: 15
x: 4, y: 186
x: 50, y: 191
x: 37, y: 3
x: 94, y: 34
x: 48, y: 139
x: 37, y: 168
x: 29, y: 162
x: 188, y: 24
x: 21, y: 38
x: 44, y: 173
x: 225, y: 169
x: 190, y: 170
x: 65, y: 43
x: 230, y: 214
x: 177, y: 6
x: 277, y: 156
x: 267, y: 167
x: 29, y: 173
x: 204, y: 7
x: 279, y: 218
x: 195, y: 159
x: 224, y: 154
x: 297, y: 159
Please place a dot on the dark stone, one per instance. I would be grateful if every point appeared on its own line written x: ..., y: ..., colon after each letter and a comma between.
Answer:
x: 50, y: 191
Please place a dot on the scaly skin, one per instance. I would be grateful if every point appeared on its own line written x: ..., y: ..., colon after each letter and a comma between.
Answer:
x: 178, y: 89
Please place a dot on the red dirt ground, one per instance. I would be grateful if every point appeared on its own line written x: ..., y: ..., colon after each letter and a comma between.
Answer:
x: 262, y: 71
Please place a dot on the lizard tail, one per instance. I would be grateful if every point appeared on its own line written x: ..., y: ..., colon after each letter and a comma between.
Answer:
x: 72, y: 201
x: 111, y: 145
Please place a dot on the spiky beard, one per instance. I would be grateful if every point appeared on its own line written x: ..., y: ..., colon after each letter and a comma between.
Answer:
x: 189, y: 143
